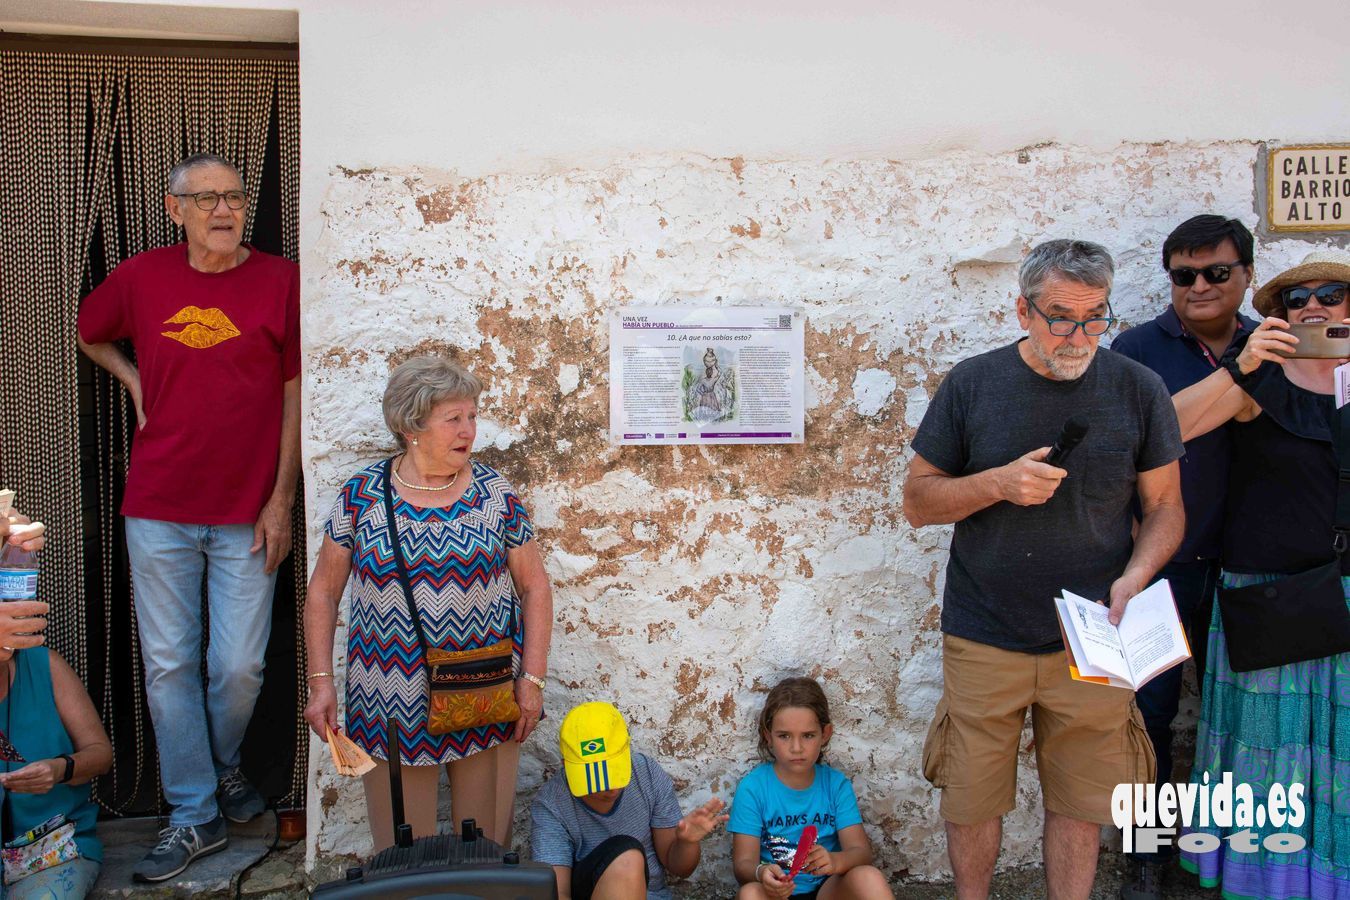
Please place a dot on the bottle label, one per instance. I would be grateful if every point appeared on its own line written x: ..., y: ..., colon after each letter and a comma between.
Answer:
x: 18, y: 584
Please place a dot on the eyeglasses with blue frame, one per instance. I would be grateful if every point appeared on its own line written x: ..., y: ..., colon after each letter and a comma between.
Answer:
x: 1094, y: 327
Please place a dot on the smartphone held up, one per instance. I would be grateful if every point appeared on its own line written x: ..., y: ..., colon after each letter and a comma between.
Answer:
x: 1320, y: 340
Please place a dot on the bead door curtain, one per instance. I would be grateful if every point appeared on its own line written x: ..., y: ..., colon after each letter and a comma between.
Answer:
x: 87, y: 138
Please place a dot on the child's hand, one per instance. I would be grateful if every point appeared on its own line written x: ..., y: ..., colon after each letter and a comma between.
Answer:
x: 701, y: 822
x: 775, y: 882
x: 819, y: 861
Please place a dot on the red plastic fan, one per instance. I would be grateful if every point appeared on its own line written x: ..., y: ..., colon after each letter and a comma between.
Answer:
x: 803, y: 851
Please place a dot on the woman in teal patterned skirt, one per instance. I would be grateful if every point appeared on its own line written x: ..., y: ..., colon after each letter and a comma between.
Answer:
x: 1287, y: 725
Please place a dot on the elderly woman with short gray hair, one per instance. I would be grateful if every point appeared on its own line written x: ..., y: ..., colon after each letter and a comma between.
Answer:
x: 465, y: 579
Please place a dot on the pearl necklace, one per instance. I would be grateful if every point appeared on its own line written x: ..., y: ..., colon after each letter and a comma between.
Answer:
x: 419, y: 487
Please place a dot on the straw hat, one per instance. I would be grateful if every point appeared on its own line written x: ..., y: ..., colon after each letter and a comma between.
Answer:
x: 1320, y: 265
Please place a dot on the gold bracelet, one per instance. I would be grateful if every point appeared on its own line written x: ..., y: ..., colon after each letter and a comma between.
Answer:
x: 312, y: 675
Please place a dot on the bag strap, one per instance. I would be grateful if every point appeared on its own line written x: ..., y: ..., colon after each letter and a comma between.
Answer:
x: 392, y: 524
x: 1341, y: 440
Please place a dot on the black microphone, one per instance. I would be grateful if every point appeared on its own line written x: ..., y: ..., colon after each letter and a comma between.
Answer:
x: 1070, y: 436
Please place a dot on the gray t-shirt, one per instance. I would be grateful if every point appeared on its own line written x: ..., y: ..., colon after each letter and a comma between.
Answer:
x: 563, y: 830
x: 1008, y: 562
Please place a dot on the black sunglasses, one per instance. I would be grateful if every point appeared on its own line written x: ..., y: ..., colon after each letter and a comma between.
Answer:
x: 1327, y: 295
x: 1184, y: 276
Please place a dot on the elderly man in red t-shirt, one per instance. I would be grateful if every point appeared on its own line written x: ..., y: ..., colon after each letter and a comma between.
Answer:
x: 215, y: 325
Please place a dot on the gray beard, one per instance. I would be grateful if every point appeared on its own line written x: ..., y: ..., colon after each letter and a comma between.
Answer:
x: 1066, y: 363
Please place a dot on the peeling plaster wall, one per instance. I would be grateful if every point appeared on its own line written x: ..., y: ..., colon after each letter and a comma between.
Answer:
x: 689, y: 580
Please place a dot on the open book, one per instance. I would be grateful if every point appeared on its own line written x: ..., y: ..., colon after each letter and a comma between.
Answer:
x: 1148, y: 641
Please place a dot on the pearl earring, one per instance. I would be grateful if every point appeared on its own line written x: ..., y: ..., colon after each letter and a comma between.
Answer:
x: 414, y: 441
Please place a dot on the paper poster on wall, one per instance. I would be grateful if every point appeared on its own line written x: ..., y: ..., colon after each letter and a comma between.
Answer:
x: 711, y: 375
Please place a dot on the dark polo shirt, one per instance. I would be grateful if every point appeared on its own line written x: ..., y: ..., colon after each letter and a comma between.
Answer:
x: 1166, y: 347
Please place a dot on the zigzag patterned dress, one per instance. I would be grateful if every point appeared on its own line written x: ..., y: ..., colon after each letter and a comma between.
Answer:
x: 456, y: 558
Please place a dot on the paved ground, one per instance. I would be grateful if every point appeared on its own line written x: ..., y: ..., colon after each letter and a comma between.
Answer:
x: 281, y: 877
x: 125, y: 841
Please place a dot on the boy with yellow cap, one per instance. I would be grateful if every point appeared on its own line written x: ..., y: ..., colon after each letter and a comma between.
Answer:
x: 610, y: 826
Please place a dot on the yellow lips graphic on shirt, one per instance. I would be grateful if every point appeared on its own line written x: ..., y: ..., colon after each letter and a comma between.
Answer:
x: 204, y: 327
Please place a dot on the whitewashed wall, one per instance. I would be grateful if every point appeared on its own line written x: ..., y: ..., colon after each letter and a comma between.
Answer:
x: 689, y: 580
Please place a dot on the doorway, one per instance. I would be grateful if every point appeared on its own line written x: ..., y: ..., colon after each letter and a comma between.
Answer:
x: 92, y: 127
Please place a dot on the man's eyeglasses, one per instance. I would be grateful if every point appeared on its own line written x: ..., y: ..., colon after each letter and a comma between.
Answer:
x: 1218, y: 273
x: 1328, y: 295
x: 1094, y: 327
x: 209, y: 200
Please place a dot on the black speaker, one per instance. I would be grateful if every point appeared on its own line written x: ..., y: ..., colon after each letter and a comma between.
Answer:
x: 448, y: 866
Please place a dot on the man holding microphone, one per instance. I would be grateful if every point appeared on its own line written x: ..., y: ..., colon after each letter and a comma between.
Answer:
x: 1026, y: 529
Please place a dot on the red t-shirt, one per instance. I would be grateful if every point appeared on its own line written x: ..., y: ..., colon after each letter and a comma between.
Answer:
x: 213, y: 350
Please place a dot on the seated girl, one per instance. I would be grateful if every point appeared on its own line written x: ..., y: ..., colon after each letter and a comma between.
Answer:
x: 791, y: 790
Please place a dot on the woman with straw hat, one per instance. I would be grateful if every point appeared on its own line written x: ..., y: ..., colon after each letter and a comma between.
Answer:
x: 1278, y: 725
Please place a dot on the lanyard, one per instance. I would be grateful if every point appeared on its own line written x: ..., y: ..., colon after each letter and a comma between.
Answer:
x: 1204, y: 348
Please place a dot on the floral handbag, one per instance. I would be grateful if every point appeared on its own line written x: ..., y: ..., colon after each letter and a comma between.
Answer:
x: 50, y: 844
x: 469, y: 688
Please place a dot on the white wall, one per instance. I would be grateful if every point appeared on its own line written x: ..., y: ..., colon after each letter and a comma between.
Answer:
x: 476, y: 86
x: 479, y: 87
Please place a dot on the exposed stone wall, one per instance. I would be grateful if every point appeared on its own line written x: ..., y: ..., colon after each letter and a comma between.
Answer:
x: 689, y: 580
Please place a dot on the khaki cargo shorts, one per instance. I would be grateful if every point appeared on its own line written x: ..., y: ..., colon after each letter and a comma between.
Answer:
x: 1089, y: 737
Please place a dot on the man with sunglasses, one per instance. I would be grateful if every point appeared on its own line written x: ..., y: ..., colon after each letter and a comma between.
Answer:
x: 1025, y: 530
x: 1208, y: 260
x: 215, y: 324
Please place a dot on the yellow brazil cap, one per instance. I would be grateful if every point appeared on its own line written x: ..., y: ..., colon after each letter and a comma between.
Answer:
x: 594, y: 744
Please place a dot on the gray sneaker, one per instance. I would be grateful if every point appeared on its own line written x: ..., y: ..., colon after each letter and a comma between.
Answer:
x: 239, y: 800
x: 179, y: 846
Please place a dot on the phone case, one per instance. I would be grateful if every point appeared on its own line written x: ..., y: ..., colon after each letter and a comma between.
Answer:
x: 1324, y: 340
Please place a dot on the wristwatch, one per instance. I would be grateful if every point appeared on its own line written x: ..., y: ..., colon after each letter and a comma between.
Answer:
x: 533, y: 679
x: 1230, y: 362
x: 70, y: 767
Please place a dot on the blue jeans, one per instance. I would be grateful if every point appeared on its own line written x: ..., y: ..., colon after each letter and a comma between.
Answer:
x: 198, y: 738
x: 1193, y: 584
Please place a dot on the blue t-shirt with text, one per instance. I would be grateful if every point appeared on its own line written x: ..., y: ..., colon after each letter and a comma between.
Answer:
x: 777, y: 815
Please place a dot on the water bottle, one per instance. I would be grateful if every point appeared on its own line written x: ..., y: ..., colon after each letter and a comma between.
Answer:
x: 18, y: 573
